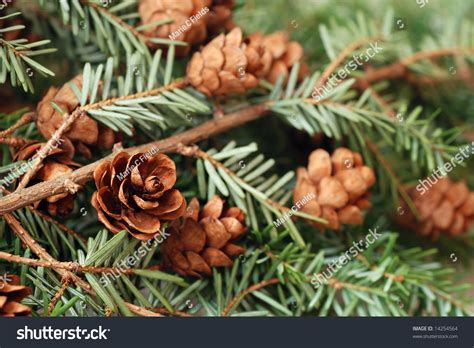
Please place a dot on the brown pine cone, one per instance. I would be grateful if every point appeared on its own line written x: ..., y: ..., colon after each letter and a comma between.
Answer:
x: 446, y: 207
x: 219, y: 18
x: 201, y: 240
x: 228, y: 65
x: 57, y: 163
x: 334, y: 188
x: 194, y: 21
x: 84, y: 131
x: 284, y: 53
x: 11, y: 294
x: 134, y: 193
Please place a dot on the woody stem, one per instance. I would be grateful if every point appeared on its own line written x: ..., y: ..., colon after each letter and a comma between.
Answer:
x: 27, y: 196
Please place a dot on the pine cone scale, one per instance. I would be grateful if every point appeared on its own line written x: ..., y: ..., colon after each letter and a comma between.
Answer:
x: 338, y: 185
x: 11, y: 294
x: 197, y: 244
x: 135, y: 193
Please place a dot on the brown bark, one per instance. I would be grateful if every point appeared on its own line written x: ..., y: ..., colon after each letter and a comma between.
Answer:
x: 26, y: 196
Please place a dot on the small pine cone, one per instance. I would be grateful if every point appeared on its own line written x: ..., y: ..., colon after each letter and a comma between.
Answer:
x: 339, y: 185
x: 201, y: 240
x: 194, y: 21
x: 84, y: 131
x: 11, y: 294
x: 284, y: 54
x: 227, y: 65
x: 57, y: 163
x: 181, y: 12
x: 135, y: 193
x: 446, y: 207
x: 219, y: 18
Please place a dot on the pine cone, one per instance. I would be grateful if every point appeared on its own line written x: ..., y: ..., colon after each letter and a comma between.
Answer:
x: 57, y: 163
x: 84, y: 131
x: 219, y: 18
x: 134, y: 193
x: 201, y: 240
x: 193, y: 21
x: 11, y: 294
x: 284, y: 53
x: 446, y: 207
x: 336, y: 186
x: 228, y: 65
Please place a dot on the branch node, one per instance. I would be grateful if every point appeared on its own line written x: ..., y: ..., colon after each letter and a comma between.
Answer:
x: 188, y: 151
x: 71, y: 186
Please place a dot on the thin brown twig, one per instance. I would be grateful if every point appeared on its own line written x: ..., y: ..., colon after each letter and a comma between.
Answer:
x: 122, y: 23
x: 70, y: 118
x: 51, y: 220
x: 247, y: 291
x: 69, y: 266
x: 342, y: 56
x: 194, y: 151
x: 164, y: 311
x: 143, y: 312
x: 42, y: 253
x: 26, y: 238
x: 25, y: 119
x: 64, y: 285
x: 399, y: 69
x: 16, y: 142
x: 29, y: 195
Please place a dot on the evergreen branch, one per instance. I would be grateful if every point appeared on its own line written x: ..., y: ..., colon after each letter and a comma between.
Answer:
x: 233, y: 302
x: 25, y: 119
x: 64, y: 273
x: 57, y: 296
x: 29, y: 241
x: 69, y: 266
x: 342, y: 56
x: 165, y: 311
x: 119, y: 21
x: 379, y: 281
x: 388, y: 167
x: 29, y: 195
x: 337, y: 114
x: 16, y: 58
x: 401, y: 68
x: 112, y: 30
x: 69, y: 119
x: 143, y: 312
x: 230, y: 183
x: 50, y: 219
x: 58, y: 224
x: 16, y: 142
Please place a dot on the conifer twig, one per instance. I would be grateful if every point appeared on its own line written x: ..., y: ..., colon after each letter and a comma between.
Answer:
x: 29, y: 195
x: 399, y: 69
x: 61, y: 226
x: 16, y: 142
x: 25, y: 119
x: 64, y: 285
x: 69, y: 266
x: 341, y: 56
x: 70, y: 118
x: 26, y: 238
x: 65, y: 274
